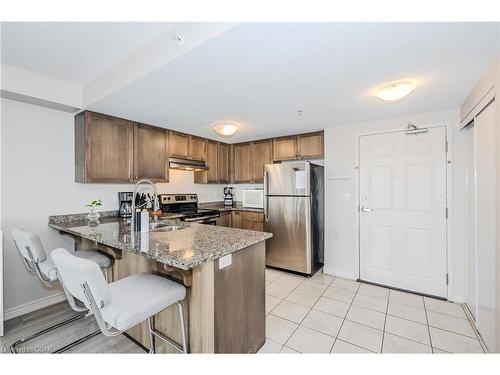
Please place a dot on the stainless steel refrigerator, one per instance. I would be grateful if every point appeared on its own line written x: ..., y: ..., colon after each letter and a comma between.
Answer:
x: 294, y: 214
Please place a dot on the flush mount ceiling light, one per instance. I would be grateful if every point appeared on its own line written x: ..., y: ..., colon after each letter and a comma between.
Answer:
x: 395, y: 91
x: 225, y: 129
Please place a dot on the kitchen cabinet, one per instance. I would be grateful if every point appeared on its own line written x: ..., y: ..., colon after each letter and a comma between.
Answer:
x: 110, y: 149
x: 179, y: 145
x: 262, y: 155
x: 310, y: 146
x: 217, y: 158
x: 222, y: 163
x: 225, y: 219
x: 104, y: 148
x: 248, y: 220
x: 299, y: 147
x: 186, y: 146
x: 249, y: 160
x: 150, y: 153
x: 285, y: 148
x: 242, y: 162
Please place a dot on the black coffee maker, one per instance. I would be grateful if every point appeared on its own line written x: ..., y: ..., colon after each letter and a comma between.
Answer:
x: 125, y: 199
x: 228, y: 196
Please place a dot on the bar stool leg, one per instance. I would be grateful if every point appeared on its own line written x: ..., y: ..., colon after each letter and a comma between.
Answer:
x: 183, y: 328
x: 151, y: 336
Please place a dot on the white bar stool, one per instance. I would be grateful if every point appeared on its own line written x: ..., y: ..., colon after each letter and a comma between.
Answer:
x: 34, y: 257
x: 122, y: 304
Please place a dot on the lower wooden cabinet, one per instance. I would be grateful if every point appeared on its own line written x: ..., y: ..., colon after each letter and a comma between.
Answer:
x: 248, y: 220
x: 225, y: 219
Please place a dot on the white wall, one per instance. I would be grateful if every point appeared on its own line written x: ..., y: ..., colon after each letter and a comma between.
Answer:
x: 37, y: 180
x: 341, y: 236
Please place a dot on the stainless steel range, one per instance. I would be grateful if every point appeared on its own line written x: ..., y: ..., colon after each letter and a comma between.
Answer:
x: 187, y: 206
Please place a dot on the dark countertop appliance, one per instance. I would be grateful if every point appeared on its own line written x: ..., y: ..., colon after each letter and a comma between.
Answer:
x: 228, y: 196
x: 125, y: 201
x: 187, y: 206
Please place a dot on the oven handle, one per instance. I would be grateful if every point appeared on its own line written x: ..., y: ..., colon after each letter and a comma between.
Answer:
x: 201, y: 218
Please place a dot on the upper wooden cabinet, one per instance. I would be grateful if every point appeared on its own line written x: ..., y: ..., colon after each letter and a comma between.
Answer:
x: 150, y: 153
x: 110, y: 149
x: 197, y: 148
x: 285, y: 148
x: 103, y: 148
x: 179, y: 145
x: 262, y: 155
x: 242, y: 162
x: 222, y: 163
x: 310, y: 146
x: 186, y: 146
x: 299, y: 147
x: 217, y: 158
x: 248, y: 160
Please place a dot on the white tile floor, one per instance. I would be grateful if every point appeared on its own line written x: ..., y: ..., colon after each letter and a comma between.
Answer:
x: 324, y: 314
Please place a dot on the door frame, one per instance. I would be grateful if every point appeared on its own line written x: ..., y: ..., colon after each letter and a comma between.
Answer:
x: 448, y: 241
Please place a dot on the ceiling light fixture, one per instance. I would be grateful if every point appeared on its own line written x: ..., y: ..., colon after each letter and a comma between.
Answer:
x: 225, y: 129
x: 395, y: 91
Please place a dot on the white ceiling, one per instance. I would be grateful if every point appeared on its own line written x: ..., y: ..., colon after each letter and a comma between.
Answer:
x: 73, y: 52
x: 258, y: 74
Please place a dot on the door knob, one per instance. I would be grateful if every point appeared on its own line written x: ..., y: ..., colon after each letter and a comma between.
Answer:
x: 366, y: 209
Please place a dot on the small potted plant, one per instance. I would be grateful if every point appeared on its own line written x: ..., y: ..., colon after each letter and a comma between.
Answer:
x: 93, y: 214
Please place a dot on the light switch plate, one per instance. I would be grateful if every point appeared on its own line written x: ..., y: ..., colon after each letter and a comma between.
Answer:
x: 225, y: 261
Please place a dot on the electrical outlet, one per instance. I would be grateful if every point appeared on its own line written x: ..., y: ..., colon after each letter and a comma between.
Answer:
x: 225, y: 261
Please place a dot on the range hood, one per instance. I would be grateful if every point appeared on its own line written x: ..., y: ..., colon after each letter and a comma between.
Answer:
x: 187, y: 164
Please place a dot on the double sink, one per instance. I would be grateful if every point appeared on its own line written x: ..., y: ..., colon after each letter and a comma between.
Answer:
x: 165, y: 226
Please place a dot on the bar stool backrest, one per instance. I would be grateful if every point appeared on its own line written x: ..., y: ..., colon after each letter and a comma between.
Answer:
x: 29, y: 246
x: 74, y: 272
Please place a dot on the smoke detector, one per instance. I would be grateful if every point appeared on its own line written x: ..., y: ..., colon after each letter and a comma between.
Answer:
x: 179, y: 39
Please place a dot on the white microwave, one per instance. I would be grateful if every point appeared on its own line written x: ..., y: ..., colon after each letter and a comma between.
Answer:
x: 253, y: 198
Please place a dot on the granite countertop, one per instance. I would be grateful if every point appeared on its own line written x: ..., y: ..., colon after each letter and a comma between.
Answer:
x: 237, y: 206
x: 185, y: 248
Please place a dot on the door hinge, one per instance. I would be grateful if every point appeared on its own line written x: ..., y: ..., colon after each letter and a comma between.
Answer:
x: 447, y: 279
x: 446, y: 146
x: 447, y: 212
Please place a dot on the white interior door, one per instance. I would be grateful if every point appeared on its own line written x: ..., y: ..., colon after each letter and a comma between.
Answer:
x: 402, y: 199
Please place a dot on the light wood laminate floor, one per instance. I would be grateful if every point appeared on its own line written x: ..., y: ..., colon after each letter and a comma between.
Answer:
x: 27, y: 324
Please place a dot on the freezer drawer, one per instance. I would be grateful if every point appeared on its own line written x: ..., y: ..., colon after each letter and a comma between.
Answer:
x: 288, y: 219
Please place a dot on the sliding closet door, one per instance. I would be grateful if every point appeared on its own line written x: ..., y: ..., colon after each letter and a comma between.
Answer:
x: 470, y: 259
x: 485, y: 149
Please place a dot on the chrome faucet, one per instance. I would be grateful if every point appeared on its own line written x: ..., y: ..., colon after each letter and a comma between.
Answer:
x: 156, y: 203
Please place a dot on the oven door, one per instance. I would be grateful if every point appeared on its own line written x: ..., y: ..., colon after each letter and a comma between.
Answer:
x: 209, y: 220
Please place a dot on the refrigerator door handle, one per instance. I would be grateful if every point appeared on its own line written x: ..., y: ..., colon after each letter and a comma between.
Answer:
x: 266, y: 203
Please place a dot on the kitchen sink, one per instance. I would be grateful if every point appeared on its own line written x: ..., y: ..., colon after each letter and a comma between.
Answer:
x: 165, y: 227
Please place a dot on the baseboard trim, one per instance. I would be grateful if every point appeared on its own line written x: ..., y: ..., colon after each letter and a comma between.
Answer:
x: 38, y: 304
x: 339, y: 273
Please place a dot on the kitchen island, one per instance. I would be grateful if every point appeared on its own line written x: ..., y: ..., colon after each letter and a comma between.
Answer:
x: 222, y: 268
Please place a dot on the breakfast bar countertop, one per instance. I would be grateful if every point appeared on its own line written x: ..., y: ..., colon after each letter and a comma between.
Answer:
x: 187, y: 247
